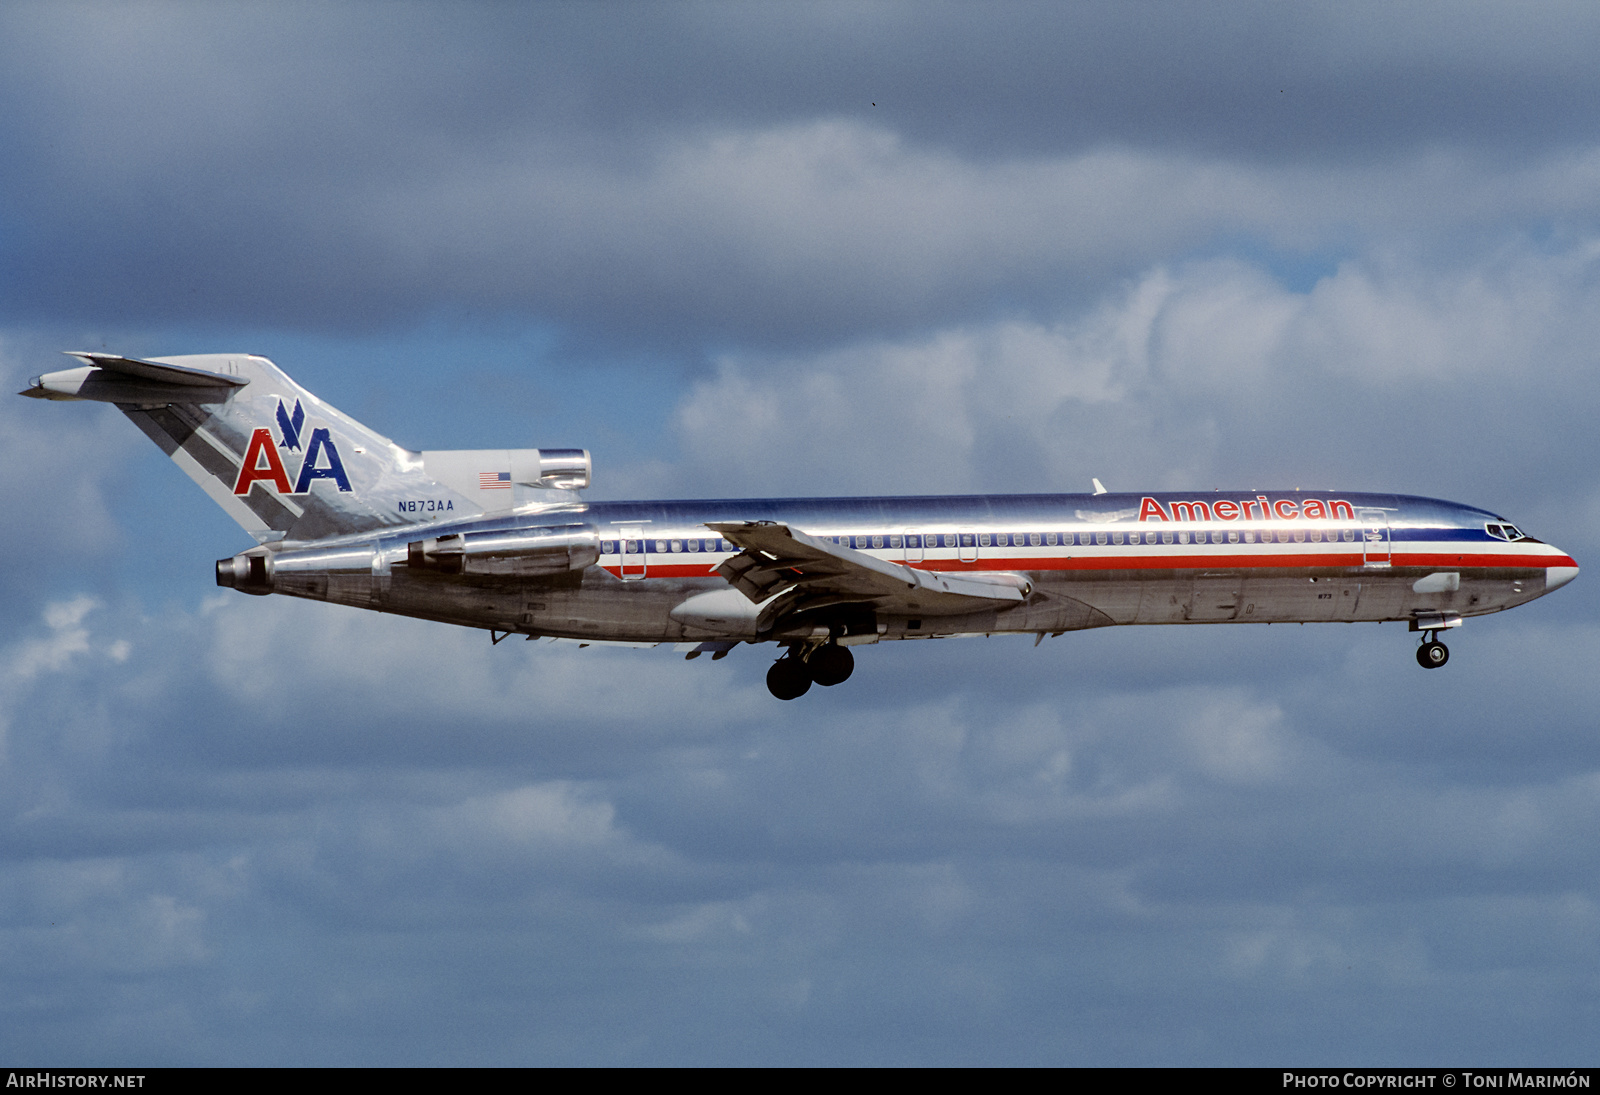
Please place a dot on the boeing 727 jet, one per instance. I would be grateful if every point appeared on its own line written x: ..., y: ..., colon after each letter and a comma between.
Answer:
x: 501, y: 539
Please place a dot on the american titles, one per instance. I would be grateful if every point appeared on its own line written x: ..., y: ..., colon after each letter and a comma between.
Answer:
x: 1259, y: 508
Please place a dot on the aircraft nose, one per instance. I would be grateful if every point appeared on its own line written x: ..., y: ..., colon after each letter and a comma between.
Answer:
x: 1556, y: 577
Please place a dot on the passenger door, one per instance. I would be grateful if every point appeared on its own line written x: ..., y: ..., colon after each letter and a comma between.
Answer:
x: 1376, y: 550
x: 633, y: 549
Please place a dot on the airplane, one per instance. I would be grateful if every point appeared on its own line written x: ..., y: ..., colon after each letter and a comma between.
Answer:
x: 502, y: 540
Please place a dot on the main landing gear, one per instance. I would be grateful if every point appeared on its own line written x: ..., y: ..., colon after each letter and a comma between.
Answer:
x: 1432, y: 653
x: 792, y: 675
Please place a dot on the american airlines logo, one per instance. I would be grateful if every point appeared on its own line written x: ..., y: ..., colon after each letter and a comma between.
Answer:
x: 263, y: 464
x: 1228, y: 509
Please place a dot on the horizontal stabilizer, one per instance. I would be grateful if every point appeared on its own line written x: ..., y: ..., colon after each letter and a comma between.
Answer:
x: 113, y: 379
x: 159, y: 371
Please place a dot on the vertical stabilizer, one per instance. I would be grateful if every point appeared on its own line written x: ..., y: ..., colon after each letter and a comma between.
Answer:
x: 287, y: 466
x: 283, y: 463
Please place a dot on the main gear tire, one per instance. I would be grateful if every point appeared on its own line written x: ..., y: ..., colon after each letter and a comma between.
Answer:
x: 831, y: 664
x: 788, y: 679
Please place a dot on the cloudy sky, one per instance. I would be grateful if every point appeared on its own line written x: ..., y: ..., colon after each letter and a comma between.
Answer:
x: 819, y: 248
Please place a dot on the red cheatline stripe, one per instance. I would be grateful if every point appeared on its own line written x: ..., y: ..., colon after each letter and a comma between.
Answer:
x: 1183, y: 562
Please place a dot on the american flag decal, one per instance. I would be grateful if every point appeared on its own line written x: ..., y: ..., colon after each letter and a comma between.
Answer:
x: 494, y: 480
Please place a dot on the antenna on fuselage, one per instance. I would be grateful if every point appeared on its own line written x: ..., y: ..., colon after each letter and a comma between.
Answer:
x: 1099, y: 487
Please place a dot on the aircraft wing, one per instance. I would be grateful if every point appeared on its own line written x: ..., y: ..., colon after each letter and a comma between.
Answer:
x: 777, y: 559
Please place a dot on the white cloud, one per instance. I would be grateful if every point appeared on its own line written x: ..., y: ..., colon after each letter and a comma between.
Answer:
x: 1238, y: 740
x: 557, y: 815
x: 23, y: 662
x: 1170, y: 383
x: 26, y: 660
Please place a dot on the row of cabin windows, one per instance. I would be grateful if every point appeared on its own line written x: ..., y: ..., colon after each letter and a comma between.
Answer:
x: 916, y: 541
x: 663, y: 547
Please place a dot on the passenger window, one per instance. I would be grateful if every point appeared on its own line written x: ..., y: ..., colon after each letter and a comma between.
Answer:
x: 1166, y: 537
x: 895, y: 541
x: 983, y: 539
x: 677, y: 545
x: 969, y: 540
x: 877, y: 541
x: 1316, y: 536
x: 1233, y: 537
x: 1183, y: 537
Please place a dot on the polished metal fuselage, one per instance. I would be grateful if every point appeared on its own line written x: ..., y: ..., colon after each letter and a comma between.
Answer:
x: 1089, y: 560
x: 499, y: 539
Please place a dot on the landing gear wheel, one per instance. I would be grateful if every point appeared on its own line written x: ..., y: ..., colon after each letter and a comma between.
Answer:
x: 831, y: 664
x: 788, y: 679
x: 1432, y: 654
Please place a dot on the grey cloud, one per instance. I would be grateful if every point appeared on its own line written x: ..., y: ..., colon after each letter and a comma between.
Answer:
x: 984, y: 837
x: 658, y: 174
x: 1250, y: 78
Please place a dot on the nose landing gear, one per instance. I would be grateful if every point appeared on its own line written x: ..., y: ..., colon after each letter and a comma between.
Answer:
x: 792, y: 675
x: 1432, y: 653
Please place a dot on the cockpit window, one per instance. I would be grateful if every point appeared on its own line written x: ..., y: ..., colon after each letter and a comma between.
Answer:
x: 1504, y: 532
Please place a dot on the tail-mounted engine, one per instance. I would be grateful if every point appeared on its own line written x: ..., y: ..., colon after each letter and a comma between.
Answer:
x: 480, y: 474
x: 320, y: 572
x: 522, y: 552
